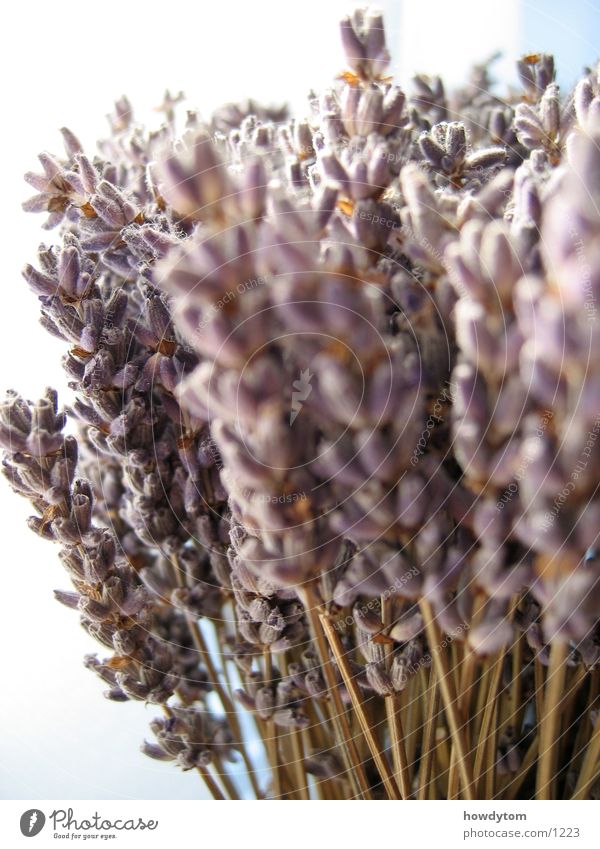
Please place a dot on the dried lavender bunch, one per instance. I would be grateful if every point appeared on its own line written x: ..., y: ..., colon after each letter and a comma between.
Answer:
x: 335, y: 395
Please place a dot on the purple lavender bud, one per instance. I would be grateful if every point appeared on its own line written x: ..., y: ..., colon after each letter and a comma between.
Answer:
x: 87, y: 172
x: 393, y: 107
x: 369, y: 113
x: 550, y: 110
x: 536, y: 72
x: 482, y: 160
x: 71, y: 142
x: 350, y: 101
x: 431, y: 150
x: 356, y: 52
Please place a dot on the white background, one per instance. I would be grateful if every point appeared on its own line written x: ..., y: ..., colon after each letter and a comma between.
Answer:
x: 63, y: 63
x: 426, y: 823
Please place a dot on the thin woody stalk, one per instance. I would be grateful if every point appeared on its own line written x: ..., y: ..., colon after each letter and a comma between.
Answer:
x: 428, y: 748
x: 449, y: 699
x: 225, y: 779
x: 250, y: 769
x: 204, y: 773
x: 590, y: 768
x: 514, y: 785
x: 211, y: 785
x: 394, y: 719
x: 486, y: 737
x: 298, y: 765
x: 272, y: 731
x: 338, y: 712
x: 551, y: 720
x: 226, y: 703
x: 585, y: 729
x: 359, y: 708
x: 301, y: 779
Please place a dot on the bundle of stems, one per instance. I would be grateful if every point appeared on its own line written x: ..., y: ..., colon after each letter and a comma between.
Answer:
x: 465, y: 727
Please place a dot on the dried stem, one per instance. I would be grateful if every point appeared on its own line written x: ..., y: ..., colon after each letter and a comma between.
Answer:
x: 513, y: 787
x: 401, y: 770
x: 226, y: 703
x: 487, y: 738
x: 295, y: 736
x: 359, y: 708
x: 449, y: 699
x: 428, y: 745
x: 272, y: 731
x: 453, y: 777
x: 337, y: 712
x: 590, y: 768
x: 583, y: 732
x: 273, y: 754
x: 516, y: 689
x: 550, y: 720
x: 489, y: 774
x: 538, y: 671
x: 394, y: 719
x: 211, y: 785
x: 298, y: 763
x: 225, y: 779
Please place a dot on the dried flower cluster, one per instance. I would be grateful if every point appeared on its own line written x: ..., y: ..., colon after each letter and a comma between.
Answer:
x: 336, y: 405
